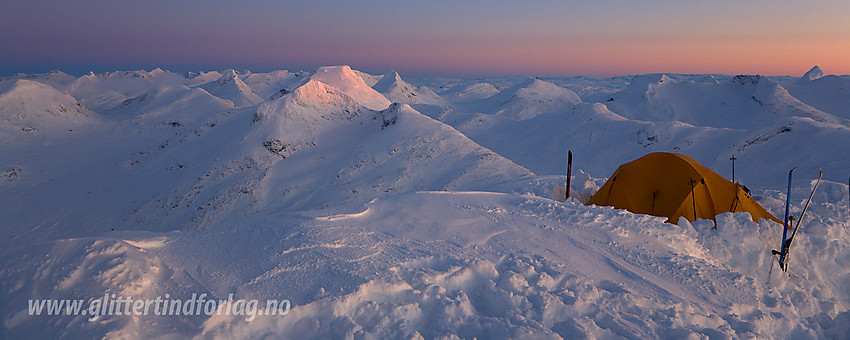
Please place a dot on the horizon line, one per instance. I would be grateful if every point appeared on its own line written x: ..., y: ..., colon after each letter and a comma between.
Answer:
x: 80, y: 71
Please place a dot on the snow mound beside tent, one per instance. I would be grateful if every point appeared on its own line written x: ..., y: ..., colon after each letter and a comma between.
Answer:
x: 686, y: 280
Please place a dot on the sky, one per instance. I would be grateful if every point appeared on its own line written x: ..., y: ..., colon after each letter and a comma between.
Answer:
x: 428, y: 38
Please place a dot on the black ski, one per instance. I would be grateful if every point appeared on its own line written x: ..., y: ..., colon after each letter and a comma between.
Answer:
x: 786, y: 225
x: 569, y: 172
x: 800, y: 220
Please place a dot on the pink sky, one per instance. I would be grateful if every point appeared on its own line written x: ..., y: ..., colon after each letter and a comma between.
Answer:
x: 468, y: 38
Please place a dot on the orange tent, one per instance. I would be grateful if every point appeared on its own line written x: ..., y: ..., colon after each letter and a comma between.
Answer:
x: 673, y: 185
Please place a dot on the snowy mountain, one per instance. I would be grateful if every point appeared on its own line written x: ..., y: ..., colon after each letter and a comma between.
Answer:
x: 398, y: 91
x: 531, y: 98
x: 747, y: 101
x: 199, y: 78
x: 104, y: 91
x: 466, y: 93
x: 195, y: 160
x: 171, y: 105
x: 27, y: 102
x: 365, y: 153
x: 56, y: 79
x: 828, y: 93
x: 708, y: 117
x: 343, y: 78
x: 268, y: 85
x: 438, y: 219
x: 232, y: 88
x: 813, y: 74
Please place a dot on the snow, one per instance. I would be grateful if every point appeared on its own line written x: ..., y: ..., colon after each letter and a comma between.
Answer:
x: 742, y: 101
x: 26, y: 103
x: 232, y: 88
x: 828, y: 93
x: 471, y: 92
x: 343, y: 78
x: 269, y: 84
x: 531, y: 98
x: 813, y: 74
x: 398, y: 91
x: 382, y: 215
x: 56, y: 79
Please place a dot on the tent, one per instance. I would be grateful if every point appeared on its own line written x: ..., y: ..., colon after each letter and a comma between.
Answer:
x: 673, y: 185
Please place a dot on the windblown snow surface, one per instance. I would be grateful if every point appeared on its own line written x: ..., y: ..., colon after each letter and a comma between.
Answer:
x: 435, y: 214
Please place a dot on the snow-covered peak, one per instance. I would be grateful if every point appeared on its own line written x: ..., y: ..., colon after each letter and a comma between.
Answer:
x: 200, y: 78
x: 105, y: 90
x: 751, y: 81
x: 56, y: 79
x: 273, y: 84
x: 814, y: 73
x: 229, y: 86
x: 399, y: 91
x: 758, y: 86
x: 828, y: 93
x: 644, y: 83
x: 708, y: 78
x: 744, y: 100
x: 775, y: 100
x: 390, y: 80
x: 313, y: 100
x: 320, y: 95
x: 539, y: 89
x: 156, y: 72
x: 178, y: 103
x: 533, y: 97
x: 228, y: 75
x: 472, y: 92
x: 343, y: 78
x: 26, y: 100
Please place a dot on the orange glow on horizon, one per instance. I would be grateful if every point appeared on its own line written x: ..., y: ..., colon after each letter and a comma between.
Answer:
x: 541, y: 58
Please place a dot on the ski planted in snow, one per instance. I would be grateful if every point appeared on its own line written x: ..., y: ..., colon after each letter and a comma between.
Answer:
x: 800, y: 220
x: 569, y: 172
x: 787, y: 241
x: 785, y: 225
